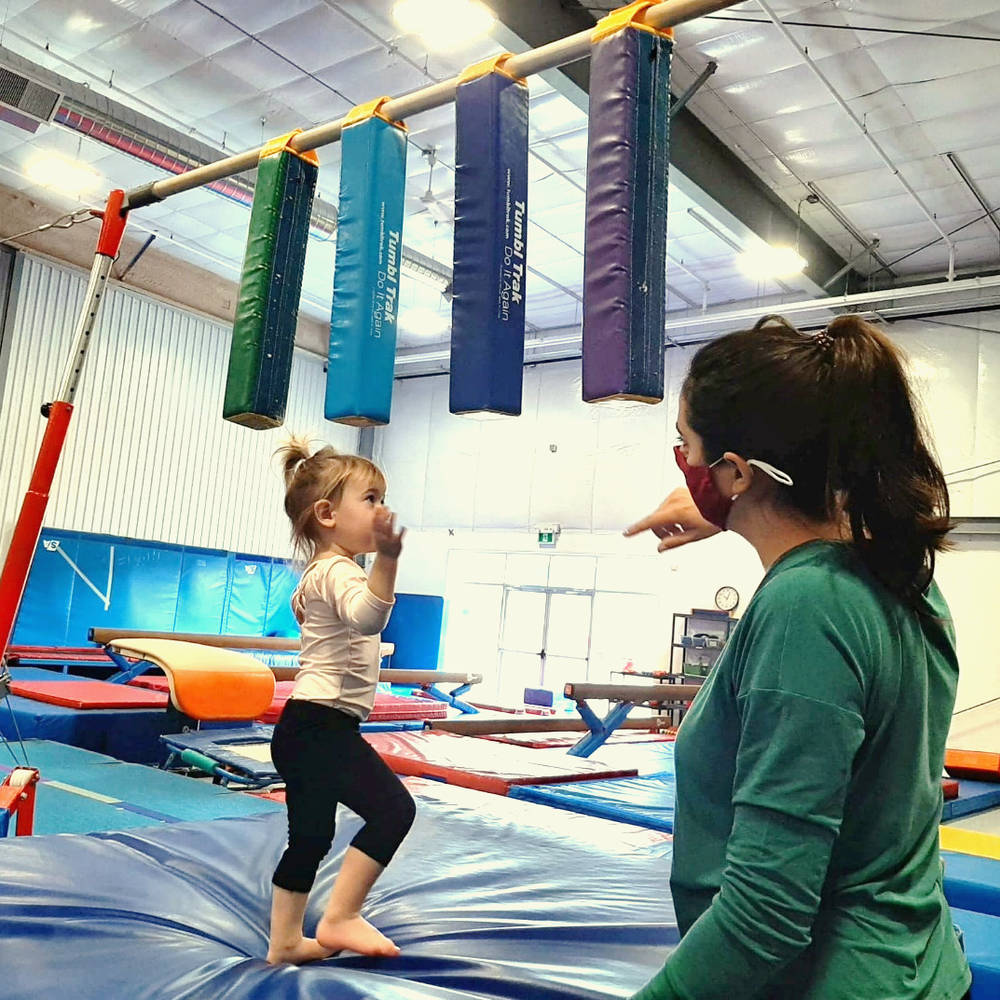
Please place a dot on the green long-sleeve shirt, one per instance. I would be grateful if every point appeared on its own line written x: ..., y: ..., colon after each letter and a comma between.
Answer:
x: 806, y: 857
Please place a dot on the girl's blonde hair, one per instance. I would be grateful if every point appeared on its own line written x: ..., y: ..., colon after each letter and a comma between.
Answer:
x: 319, y: 475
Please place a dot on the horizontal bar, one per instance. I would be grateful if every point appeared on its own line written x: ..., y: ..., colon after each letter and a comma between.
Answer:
x: 558, y: 53
x: 272, y: 642
x: 523, y: 724
x: 638, y: 694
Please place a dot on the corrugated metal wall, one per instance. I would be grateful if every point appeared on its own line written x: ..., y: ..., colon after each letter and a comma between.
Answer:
x: 148, y: 454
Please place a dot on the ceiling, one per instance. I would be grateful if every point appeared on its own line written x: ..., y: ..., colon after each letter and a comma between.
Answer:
x: 227, y: 74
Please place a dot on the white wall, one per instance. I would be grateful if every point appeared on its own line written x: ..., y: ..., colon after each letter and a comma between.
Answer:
x: 460, y: 484
x: 148, y: 454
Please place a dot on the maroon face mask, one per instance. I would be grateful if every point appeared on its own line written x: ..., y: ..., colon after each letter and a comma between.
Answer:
x: 711, y: 504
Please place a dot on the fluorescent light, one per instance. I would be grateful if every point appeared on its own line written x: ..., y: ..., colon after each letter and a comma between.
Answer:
x: 772, y: 262
x: 444, y: 24
x: 423, y: 322
x: 69, y: 176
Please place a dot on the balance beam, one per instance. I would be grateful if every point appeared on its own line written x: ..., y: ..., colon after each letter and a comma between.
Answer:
x: 635, y: 694
x: 271, y: 642
x: 625, y: 697
x: 525, y: 724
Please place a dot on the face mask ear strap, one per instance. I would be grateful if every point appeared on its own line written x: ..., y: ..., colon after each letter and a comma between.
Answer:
x: 776, y: 474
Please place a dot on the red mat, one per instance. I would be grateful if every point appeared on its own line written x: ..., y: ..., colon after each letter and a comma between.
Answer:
x: 152, y: 682
x: 61, y: 654
x: 388, y: 707
x: 976, y: 765
x: 88, y: 694
x: 949, y: 789
x: 488, y: 767
x: 541, y: 741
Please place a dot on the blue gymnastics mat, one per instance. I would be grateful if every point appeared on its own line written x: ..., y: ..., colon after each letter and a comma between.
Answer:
x: 643, y: 801
x: 973, y: 797
x: 972, y: 883
x: 982, y: 947
x: 488, y: 898
x: 83, y: 792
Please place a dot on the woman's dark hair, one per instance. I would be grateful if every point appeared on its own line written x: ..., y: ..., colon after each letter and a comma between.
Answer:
x: 836, y: 412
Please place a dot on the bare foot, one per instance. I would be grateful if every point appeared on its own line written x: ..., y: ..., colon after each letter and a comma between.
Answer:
x: 354, y: 934
x: 306, y: 950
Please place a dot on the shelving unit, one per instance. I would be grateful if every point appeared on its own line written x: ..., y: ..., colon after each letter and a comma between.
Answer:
x: 696, y: 640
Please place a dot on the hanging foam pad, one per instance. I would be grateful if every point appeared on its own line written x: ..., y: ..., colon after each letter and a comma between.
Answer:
x: 491, y: 217
x: 366, y: 278
x: 624, y: 289
x: 260, y: 359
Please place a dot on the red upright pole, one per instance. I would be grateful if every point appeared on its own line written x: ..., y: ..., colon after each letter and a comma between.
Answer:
x: 29, y: 522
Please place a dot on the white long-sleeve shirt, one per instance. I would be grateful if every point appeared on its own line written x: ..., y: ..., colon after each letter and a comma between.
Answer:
x: 341, y: 620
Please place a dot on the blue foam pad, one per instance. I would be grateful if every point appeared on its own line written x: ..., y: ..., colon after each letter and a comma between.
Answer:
x: 40, y: 674
x: 556, y: 907
x: 491, y: 222
x: 366, y: 278
x: 127, y: 734
x: 982, y: 947
x: 130, y: 794
x: 223, y: 745
x: 647, y: 801
x: 973, y: 797
x: 972, y: 883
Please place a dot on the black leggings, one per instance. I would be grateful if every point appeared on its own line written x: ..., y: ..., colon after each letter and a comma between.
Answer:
x: 324, y: 760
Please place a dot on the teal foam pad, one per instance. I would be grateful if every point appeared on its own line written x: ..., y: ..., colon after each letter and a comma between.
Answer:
x: 140, y: 795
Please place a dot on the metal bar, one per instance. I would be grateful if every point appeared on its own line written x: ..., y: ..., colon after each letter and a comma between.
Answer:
x: 971, y: 185
x: 863, y: 252
x: 825, y: 201
x: 694, y: 88
x: 558, y: 53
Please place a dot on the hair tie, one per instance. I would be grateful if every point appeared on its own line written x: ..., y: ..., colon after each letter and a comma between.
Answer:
x: 824, y: 341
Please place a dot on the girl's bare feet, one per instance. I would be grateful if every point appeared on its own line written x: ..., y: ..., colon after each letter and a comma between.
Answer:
x: 354, y: 934
x: 303, y: 951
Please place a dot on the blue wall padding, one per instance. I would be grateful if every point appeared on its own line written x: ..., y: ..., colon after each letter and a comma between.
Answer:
x: 415, y: 627
x: 154, y: 586
x: 624, y: 286
x: 366, y: 279
x: 491, y: 222
x: 202, y: 592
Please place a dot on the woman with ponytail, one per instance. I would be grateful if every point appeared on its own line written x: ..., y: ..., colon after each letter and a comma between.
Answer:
x: 805, y: 859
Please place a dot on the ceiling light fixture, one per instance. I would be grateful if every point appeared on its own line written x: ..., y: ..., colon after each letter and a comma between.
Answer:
x: 444, y: 25
x: 772, y: 262
x: 69, y: 176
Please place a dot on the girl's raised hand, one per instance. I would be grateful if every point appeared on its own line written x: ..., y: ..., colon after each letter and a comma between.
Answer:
x: 388, y: 541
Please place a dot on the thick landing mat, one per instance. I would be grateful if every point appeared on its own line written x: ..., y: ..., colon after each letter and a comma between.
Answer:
x: 488, y: 767
x: 87, y: 695
x: 554, y: 907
